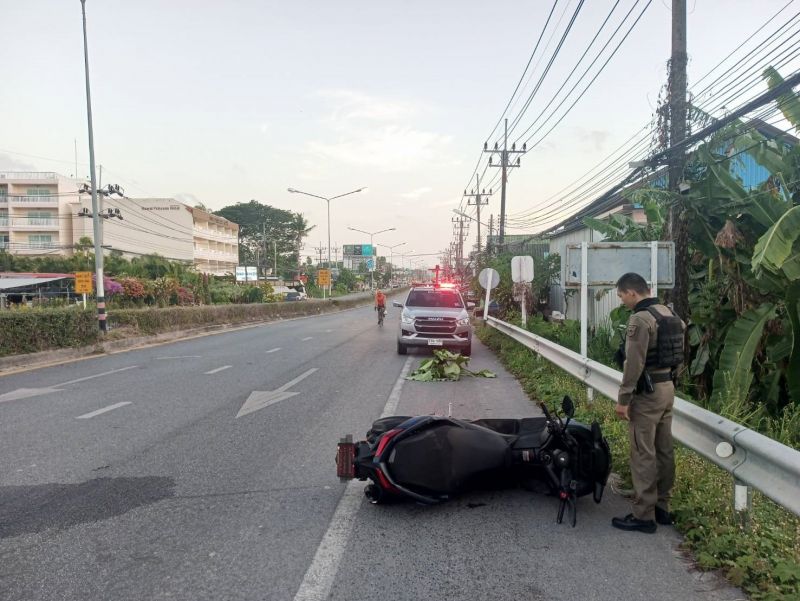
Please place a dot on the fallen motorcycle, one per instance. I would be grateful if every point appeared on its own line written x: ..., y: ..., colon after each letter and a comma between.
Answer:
x: 430, y: 459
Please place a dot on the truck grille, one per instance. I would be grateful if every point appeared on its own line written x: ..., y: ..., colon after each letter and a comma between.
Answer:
x: 440, y: 325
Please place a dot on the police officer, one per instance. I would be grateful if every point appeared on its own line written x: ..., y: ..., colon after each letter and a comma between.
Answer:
x: 645, y: 401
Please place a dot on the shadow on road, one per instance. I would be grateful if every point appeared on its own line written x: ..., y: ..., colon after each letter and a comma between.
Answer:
x: 31, y: 509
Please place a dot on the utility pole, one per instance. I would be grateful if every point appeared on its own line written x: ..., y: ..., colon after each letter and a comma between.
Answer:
x: 505, y: 165
x: 98, y: 232
x: 491, y: 233
x: 319, y: 250
x: 458, y: 230
x: 266, y: 253
x: 678, y: 227
x: 478, y: 199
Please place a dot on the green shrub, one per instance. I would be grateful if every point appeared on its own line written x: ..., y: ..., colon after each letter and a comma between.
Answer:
x: 29, y: 331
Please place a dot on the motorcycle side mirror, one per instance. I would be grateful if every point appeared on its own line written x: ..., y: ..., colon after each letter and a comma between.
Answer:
x: 568, y: 407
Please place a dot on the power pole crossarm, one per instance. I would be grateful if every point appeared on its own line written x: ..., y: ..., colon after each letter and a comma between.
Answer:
x: 506, y: 163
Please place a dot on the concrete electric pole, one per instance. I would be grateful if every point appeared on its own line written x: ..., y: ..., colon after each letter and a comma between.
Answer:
x: 506, y: 163
x: 478, y: 199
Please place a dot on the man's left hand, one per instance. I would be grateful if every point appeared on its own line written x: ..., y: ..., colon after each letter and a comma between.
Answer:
x: 622, y: 412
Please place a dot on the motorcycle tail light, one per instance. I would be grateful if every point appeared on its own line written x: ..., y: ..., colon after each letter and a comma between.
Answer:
x: 385, y: 441
x: 384, y: 482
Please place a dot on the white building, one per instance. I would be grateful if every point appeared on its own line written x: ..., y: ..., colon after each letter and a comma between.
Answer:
x: 43, y: 213
x: 35, y: 216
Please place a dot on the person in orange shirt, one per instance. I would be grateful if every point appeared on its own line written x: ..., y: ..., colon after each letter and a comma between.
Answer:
x: 380, y: 305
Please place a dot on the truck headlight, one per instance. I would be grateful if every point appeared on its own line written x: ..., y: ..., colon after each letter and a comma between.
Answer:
x: 406, y: 318
x: 463, y: 322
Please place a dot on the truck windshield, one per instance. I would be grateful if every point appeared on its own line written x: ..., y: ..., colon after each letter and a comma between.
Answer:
x: 435, y: 298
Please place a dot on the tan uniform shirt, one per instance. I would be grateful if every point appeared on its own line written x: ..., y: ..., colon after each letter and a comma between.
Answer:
x: 641, y: 336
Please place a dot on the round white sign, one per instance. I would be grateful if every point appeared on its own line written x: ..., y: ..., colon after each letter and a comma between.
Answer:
x: 488, y: 278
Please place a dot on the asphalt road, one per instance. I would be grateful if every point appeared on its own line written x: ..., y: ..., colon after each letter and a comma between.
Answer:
x: 203, y: 469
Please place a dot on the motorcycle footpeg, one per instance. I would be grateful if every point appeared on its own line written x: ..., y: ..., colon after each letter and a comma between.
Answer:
x: 345, y: 458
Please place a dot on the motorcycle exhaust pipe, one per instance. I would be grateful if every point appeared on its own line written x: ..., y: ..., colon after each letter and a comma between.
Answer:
x: 345, y: 458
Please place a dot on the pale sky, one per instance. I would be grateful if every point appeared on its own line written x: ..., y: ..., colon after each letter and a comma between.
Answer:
x: 227, y: 101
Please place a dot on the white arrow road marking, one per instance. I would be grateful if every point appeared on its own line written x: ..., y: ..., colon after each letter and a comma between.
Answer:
x: 260, y: 399
x: 273, y: 350
x: 219, y: 369
x: 317, y: 582
x: 103, y: 410
x: 24, y: 393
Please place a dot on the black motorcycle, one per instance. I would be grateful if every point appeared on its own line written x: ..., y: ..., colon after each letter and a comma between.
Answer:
x: 430, y: 459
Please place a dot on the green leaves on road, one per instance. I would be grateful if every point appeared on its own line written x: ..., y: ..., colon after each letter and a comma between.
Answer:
x: 446, y: 366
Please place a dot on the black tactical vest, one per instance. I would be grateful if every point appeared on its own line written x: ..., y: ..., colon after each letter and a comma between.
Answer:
x: 668, y: 352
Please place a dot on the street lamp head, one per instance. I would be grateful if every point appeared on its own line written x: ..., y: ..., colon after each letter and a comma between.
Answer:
x: 292, y: 190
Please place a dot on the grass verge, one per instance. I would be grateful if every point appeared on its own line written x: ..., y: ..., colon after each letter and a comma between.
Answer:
x: 763, y: 559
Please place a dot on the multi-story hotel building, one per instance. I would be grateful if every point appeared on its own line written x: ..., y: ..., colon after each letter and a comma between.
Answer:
x: 44, y: 213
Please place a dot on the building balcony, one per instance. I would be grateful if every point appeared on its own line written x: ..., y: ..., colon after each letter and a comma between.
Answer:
x: 208, y: 254
x: 30, y: 224
x: 29, y: 176
x: 35, y: 201
x: 36, y: 248
x: 214, y: 235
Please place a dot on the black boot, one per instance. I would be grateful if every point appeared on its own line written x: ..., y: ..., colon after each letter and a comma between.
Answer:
x: 663, y: 517
x: 631, y: 523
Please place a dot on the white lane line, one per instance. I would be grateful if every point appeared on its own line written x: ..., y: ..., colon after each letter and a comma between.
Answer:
x: 273, y: 350
x: 105, y: 373
x: 219, y: 369
x: 103, y: 410
x: 306, y: 338
x: 317, y: 582
x: 394, y: 396
x: 181, y: 357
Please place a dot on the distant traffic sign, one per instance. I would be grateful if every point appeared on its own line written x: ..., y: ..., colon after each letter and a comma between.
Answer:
x: 370, y: 264
x: 488, y: 278
x: 83, y: 282
x: 324, y: 277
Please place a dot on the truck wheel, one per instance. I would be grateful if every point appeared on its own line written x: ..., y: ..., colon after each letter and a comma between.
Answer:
x: 402, y: 349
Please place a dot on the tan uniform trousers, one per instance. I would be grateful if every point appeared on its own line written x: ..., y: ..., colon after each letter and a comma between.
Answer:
x: 652, y: 456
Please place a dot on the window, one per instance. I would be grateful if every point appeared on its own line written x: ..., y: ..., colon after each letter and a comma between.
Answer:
x: 3, y: 217
x: 37, y: 191
x: 40, y: 240
x: 434, y: 298
x: 40, y: 218
x: 4, y: 241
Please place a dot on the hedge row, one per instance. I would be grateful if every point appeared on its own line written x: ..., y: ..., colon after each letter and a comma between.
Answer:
x: 39, y: 330
x: 153, y: 321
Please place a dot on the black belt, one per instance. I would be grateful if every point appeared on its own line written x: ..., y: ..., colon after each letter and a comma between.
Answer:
x: 657, y: 378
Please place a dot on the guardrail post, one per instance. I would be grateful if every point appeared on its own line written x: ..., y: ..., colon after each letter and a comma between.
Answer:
x: 585, y: 311
x: 742, y: 502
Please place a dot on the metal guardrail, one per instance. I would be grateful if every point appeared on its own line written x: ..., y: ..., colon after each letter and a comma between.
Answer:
x: 751, y: 458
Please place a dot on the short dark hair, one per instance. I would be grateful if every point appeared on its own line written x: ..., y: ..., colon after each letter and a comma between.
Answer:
x: 633, y: 282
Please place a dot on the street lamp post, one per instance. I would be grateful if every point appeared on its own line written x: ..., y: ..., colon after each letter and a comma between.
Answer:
x: 391, y: 257
x: 371, y: 234
x: 328, y: 201
x: 97, y: 231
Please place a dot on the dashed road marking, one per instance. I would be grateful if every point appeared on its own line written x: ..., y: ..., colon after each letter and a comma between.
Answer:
x: 307, y: 338
x: 103, y: 410
x: 219, y: 369
x: 274, y: 350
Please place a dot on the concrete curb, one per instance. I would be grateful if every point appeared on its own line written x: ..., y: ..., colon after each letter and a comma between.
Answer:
x: 17, y: 363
